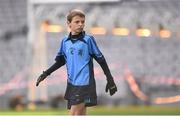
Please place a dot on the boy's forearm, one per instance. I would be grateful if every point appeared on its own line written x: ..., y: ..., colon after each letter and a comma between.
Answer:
x: 59, y: 62
x: 53, y: 68
x: 102, y: 62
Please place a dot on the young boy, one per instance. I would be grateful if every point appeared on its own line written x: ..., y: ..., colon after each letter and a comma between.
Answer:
x: 76, y: 51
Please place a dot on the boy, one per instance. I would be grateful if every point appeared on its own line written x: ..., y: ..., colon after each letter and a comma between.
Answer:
x: 76, y: 51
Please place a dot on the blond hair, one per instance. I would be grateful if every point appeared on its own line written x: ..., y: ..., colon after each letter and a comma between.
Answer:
x: 73, y: 13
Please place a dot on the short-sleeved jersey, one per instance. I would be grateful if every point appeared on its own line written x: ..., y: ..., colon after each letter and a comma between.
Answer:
x: 78, y: 56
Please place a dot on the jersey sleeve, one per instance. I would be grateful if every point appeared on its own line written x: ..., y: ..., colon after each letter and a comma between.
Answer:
x: 93, y: 49
x: 60, y: 60
x: 98, y: 56
x: 60, y: 55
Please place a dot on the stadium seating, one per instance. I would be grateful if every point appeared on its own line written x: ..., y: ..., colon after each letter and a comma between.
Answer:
x: 145, y: 57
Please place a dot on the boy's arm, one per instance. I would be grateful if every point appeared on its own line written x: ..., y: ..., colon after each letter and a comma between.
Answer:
x: 60, y: 61
x: 98, y: 56
x: 111, y: 86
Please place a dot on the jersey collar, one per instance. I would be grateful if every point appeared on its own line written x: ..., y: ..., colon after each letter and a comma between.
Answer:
x: 80, y: 37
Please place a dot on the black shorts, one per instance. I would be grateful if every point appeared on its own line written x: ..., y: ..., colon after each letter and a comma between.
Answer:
x: 81, y: 94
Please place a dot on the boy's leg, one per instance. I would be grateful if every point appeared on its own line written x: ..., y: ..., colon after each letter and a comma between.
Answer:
x: 78, y: 109
x: 84, y: 111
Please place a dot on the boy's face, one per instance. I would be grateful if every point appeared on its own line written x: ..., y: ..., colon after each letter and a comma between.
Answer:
x: 76, y: 25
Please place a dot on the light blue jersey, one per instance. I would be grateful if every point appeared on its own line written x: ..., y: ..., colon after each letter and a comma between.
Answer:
x: 78, y: 56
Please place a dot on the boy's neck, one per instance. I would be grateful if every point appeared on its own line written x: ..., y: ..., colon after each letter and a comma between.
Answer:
x: 77, y: 35
x: 73, y: 33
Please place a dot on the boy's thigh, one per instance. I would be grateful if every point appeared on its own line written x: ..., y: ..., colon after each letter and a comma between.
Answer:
x: 79, y: 106
x: 78, y: 109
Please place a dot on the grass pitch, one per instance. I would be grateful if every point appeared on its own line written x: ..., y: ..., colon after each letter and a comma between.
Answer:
x: 99, y: 110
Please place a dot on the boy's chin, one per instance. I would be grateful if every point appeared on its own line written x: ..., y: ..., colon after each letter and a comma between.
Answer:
x: 79, y: 31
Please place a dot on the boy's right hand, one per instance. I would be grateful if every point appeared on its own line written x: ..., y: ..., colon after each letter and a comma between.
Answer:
x: 41, y: 77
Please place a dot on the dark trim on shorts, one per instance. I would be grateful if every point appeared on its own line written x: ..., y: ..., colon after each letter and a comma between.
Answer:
x: 88, y: 102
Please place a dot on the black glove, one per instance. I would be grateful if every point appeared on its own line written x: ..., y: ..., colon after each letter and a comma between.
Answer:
x: 41, y: 77
x: 111, y: 86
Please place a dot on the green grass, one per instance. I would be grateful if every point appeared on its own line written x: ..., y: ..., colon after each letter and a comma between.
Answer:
x: 99, y: 111
x: 136, y: 111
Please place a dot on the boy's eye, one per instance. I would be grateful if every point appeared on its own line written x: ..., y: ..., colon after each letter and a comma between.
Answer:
x: 77, y: 22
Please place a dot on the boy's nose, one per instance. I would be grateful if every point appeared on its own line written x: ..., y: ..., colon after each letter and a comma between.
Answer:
x: 80, y: 23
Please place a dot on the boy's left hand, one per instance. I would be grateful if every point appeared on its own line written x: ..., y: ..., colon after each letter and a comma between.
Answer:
x: 111, y: 86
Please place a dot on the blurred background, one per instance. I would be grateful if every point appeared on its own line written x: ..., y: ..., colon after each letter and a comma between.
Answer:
x: 140, y: 40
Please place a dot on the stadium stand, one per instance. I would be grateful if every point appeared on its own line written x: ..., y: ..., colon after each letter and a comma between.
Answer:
x: 153, y: 61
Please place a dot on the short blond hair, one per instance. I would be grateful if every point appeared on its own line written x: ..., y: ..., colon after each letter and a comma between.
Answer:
x: 73, y: 13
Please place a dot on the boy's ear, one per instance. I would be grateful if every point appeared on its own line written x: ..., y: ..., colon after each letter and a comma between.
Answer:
x: 69, y: 24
